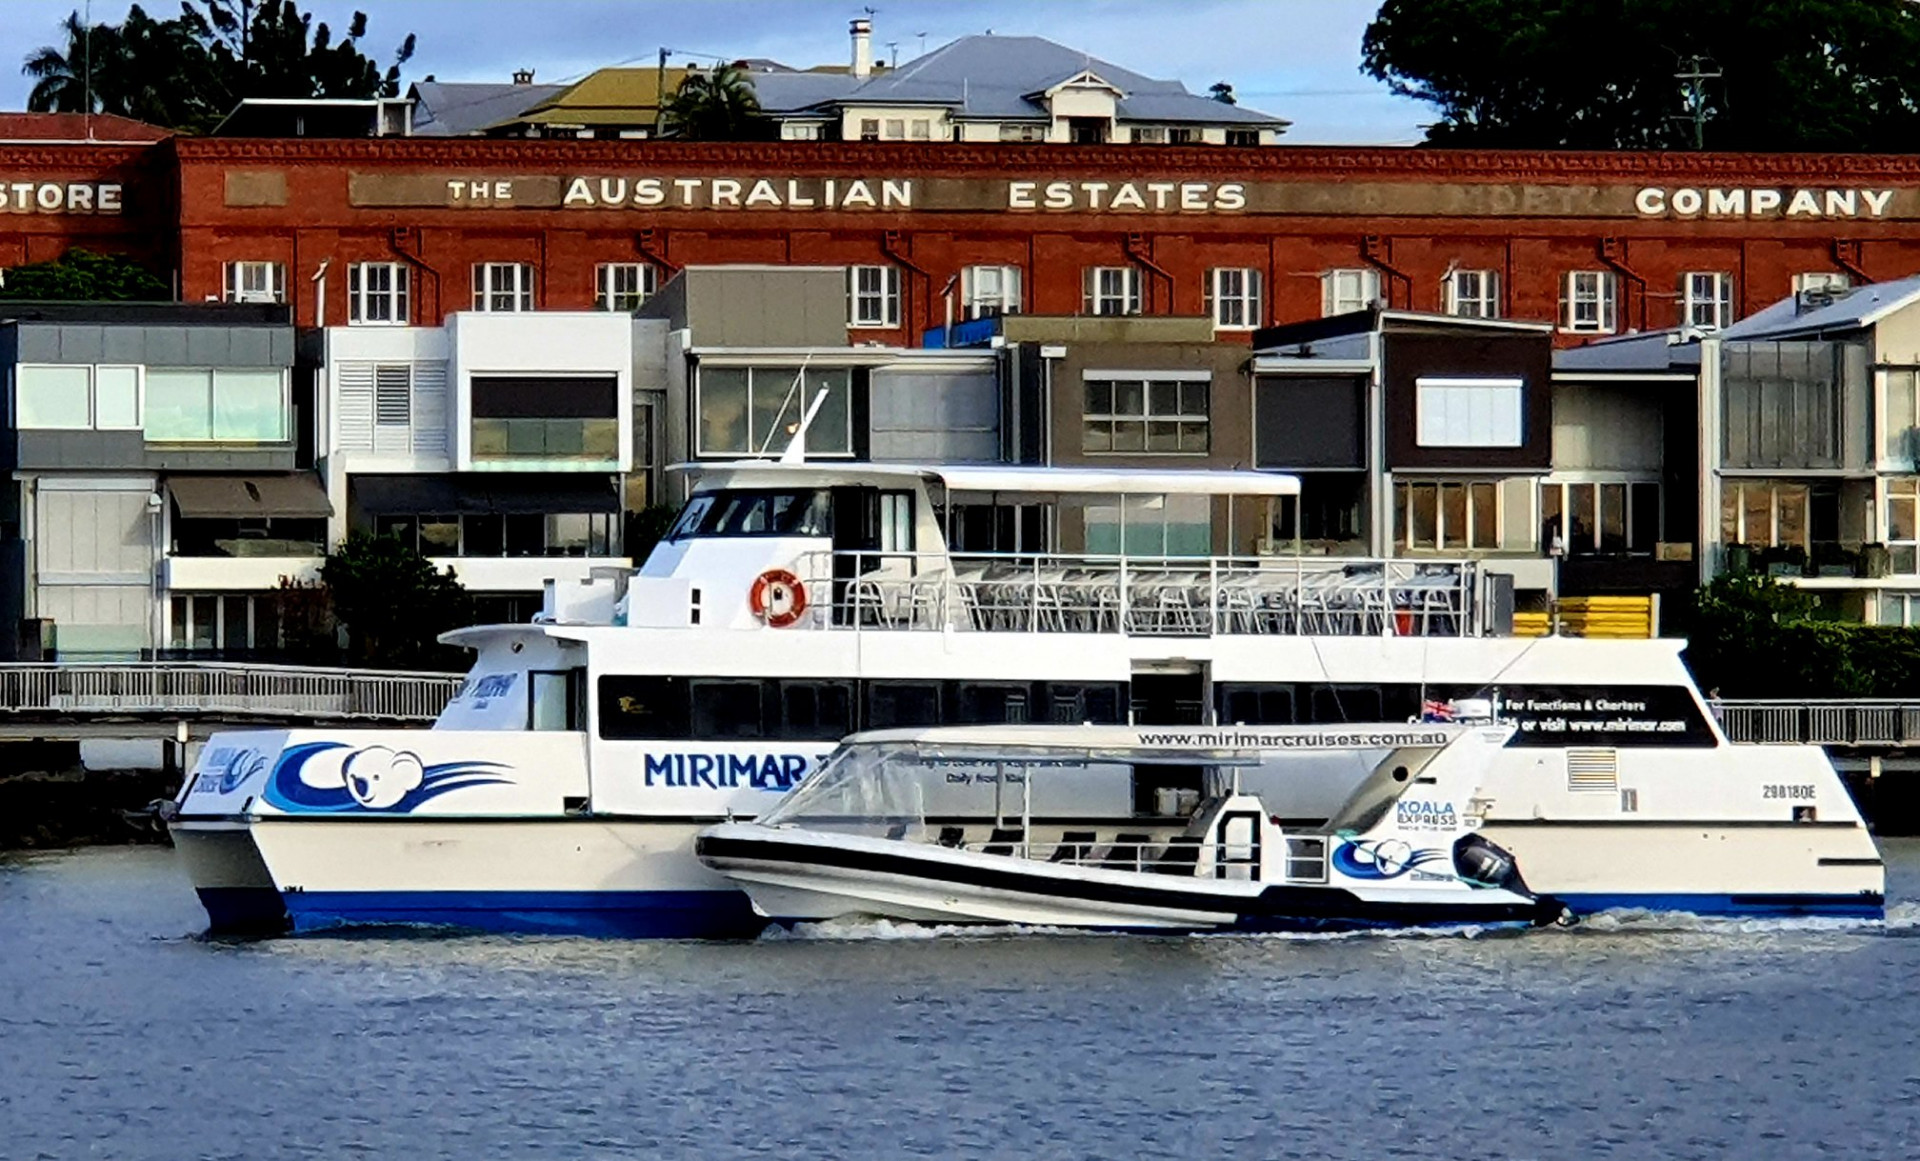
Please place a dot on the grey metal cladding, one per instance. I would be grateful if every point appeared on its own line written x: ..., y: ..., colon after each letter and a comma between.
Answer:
x: 81, y: 343
x: 166, y: 347
x: 129, y: 450
x: 935, y: 416
x: 123, y: 344
x: 208, y: 346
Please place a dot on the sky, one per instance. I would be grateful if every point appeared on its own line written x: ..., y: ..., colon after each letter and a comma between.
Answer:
x: 1298, y: 59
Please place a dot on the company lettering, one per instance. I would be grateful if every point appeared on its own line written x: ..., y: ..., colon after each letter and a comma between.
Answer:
x: 1420, y: 814
x: 1136, y: 196
x: 1690, y: 202
x: 51, y: 197
x: 737, y: 193
x: 727, y: 771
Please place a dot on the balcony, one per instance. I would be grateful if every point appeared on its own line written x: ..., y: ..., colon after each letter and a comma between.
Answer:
x: 237, y: 573
x: 523, y: 574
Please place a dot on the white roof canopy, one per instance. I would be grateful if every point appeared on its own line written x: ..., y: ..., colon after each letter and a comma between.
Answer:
x: 1027, y: 480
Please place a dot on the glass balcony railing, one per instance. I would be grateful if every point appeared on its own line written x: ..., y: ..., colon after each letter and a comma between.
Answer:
x: 583, y: 440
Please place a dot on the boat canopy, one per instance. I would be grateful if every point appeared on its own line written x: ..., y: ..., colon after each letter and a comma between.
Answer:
x: 1006, y: 478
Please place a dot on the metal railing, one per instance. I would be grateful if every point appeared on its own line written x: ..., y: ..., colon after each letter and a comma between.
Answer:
x: 199, y: 689
x: 1161, y: 596
x: 1822, y: 723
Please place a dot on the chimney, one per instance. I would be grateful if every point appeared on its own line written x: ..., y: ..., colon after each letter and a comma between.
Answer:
x: 523, y: 76
x: 862, y: 30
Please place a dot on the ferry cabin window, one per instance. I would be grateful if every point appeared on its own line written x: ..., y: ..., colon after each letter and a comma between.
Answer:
x: 554, y: 703
x: 728, y: 709
x: 1255, y: 704
x: 819, y: 710
x: 643, y: 707
x: 740, y: 512
x: 1097, y: 703
x: 895, y: 704
x: 991, y: 704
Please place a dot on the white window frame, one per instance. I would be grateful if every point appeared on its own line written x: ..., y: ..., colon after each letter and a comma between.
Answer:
x: 1589, y: 302
x: 1403, y: 496
x: 990, y: 291
x: 1348, y: 289
x: 1233, y: 298
x: 1904, y: 551
x: 873, y: 297
x: 510, y: 280
x: 1472, y: 293
x: 93, y: 422
x: 1897, y: 607
x: 1706, y: 299
x: 363, y: 302
x: 250, y: 280
x: 1116, y: 287
x: 612, y: 291
x: 1459, y: 412
x: 1899, y: 417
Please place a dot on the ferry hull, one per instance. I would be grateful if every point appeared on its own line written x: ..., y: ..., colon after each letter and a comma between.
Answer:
x: 230, y: 878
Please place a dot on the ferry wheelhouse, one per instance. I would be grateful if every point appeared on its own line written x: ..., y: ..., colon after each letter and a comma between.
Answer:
x: 793, y: 604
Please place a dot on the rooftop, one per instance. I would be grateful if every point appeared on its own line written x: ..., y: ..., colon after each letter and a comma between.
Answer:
x: 1816, y: 313
x: 78, y: 128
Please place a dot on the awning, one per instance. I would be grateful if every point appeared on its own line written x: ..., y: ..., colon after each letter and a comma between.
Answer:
x: 243, y: 497
x: 452, y: 495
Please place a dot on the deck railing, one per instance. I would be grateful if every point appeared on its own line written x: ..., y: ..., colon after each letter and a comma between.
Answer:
x: 1160, y: 596
x: 1823, y: 723
x: 191, y: 689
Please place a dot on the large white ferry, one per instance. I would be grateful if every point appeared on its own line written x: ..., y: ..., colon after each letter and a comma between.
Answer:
x: 795, y: 603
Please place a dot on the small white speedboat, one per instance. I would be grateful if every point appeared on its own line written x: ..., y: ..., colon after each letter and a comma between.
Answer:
x: 1131, y: 829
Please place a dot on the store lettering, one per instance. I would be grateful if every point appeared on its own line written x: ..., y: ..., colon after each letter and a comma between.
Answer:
x: 1688, y: 202
x: 1161, y: 196
x: 59, y: 197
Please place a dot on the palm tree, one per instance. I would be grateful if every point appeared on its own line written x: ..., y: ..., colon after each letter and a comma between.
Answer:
x: 70, y: 81
x: 715, y: 106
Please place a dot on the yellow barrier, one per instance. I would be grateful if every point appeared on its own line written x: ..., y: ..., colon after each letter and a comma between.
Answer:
x: 1616, y: 618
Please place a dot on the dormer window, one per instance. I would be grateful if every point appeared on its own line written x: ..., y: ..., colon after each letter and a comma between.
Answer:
x: 1087, y: 130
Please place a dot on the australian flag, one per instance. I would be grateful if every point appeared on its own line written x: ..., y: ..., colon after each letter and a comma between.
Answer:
x: 1436, y: 711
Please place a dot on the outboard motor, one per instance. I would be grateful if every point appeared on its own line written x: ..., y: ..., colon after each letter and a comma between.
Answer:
x: 1479, y: 861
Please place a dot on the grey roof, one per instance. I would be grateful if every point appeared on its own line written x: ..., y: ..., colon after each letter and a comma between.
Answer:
x: 1849, y: 311
x: 1648, y: 352
x: 462, y: 108
x: 998, y: 77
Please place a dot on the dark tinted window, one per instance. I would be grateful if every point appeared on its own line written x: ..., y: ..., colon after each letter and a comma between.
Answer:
x: 892, y: 704
x: 1098, y: 703
x: 816, y: 710
x: 1256, y: 704
x: 643, y: 707
x: 987, y: 704
x: 542, y: 397
x: 728, y: 709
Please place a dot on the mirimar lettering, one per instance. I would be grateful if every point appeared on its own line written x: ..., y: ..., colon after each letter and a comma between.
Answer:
x: 726, y: 771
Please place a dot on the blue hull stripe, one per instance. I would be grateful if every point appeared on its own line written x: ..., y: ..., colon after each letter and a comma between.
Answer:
x: 1852, y: 906
x: 623, y: 914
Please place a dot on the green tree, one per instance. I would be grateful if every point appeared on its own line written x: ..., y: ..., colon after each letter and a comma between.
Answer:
x: 80, y: 275
x: 1840, y: 75
x: 394, y: 604
x: 190, y: 71
x: 716, y: 106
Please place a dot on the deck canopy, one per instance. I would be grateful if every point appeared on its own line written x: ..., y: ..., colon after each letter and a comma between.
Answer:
x: 1002, y: 479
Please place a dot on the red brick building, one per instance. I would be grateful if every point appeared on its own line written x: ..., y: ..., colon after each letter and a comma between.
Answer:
x: 1600, y: 242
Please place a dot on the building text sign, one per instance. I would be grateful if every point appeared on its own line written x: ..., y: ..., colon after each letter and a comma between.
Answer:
x: 745, y: 193
x: 59, y: 197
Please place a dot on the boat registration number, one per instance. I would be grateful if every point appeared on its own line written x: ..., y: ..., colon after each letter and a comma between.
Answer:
x: 1786, y: 790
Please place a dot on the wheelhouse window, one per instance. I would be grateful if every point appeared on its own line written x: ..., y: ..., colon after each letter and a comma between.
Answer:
x: 256, y: 282
x: 1150, y: 414
x: 1587, y: 302
x: 503, y: 287
x: 873, y: 296
x: 1444, y: 514
x: 1345, y: 291
x: 990, y: 291
x: 1233, y: 298
x: 753, y: 512
x: 1472, y: 293
x: 1110, y: 290
x: 622, y: 286
x: 1607, y: 518
x: 756, y: 411
x: 1706, y: 300
x: 377, y: 294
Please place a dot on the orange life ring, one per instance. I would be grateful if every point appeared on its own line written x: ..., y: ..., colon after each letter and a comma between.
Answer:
x: 777, y: 597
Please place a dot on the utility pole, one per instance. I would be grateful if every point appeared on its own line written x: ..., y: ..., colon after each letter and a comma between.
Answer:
x: 660, y: 95
x: 1693, y: 79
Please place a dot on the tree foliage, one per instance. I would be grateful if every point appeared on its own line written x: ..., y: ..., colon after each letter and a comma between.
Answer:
x: 719, y: 105
x: 1751, y: 636
x: 394, y: 604
x: 189, y: 71
x: 1840, y: 75
x: 81, y: 275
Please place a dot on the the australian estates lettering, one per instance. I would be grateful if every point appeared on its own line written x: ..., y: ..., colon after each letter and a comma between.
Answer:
x: 59, y: 197
x: 1735, y: 202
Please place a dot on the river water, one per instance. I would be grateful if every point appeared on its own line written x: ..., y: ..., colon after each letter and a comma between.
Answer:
x: 125, y: 1035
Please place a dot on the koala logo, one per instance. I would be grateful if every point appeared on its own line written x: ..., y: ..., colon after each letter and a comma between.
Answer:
x: 378, y: 778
